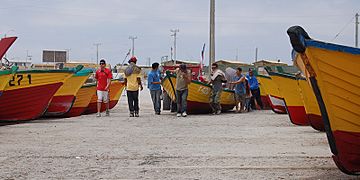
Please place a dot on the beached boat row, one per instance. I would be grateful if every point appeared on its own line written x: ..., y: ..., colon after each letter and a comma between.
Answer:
x: 332, y: 72
x: 31, y: 94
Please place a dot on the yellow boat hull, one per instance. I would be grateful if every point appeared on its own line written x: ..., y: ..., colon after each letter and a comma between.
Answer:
x: 82, y: 101
x: 64, y: 98
x: 199, y: 96
x: 273, y: 94
x: 289, y: 90
x: 333, y: 71
x: 116, y: 89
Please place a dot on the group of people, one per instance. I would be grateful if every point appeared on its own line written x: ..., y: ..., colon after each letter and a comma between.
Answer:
x: 246, y: 88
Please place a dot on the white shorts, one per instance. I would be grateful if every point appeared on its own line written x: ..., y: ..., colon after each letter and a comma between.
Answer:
x: 102, y: 96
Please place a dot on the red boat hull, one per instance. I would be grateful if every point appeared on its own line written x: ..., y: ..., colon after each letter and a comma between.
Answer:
x: 316, y: 122
x: 298, y: 115
x: 26, y: 103
x: 348, y: 154
x: 60, y: 105
x: 266, y: 102
x: 75, y: 111
x: 204, y: 108
x: 92, y: 107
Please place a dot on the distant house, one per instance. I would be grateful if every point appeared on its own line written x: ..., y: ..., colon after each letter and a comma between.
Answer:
x: 223, y: 64
x: 269, y: 63
x: 178, y: 62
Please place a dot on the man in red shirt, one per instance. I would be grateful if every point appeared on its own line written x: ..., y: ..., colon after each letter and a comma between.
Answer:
x: 103, y: 76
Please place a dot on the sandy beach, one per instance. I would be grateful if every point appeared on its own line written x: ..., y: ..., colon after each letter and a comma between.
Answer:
x: 256, y: 145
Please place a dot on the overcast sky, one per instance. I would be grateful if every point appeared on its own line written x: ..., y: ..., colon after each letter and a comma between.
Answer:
x: 241, y: 25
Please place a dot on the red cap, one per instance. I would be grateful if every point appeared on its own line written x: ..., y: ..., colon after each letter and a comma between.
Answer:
x: 133, y: 59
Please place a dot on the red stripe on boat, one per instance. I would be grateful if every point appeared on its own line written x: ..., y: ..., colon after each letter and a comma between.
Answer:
x: 298, y: 115
x: 26, y: 103
x: 92, y: 107
x: 60, y: 105
x: 266, y: 102
x: 204, y: 108
x: 348, y: 156
x: 316, y: 122
x: 75, y: 111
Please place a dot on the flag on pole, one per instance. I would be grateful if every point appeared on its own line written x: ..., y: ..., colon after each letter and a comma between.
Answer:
x: 202, y: 57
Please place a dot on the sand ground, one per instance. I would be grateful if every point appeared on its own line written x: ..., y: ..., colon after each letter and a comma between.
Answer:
x: 256, y: 145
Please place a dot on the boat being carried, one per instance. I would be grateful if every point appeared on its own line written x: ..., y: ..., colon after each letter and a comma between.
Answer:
x: 199, y: 96
x: 333, y: 71
x: 116, y: 89
x: 288, y: 87
x: 28, y: 92
x: 64, y: 98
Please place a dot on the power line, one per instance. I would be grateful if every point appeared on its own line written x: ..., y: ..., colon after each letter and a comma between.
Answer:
x: 346, y: 25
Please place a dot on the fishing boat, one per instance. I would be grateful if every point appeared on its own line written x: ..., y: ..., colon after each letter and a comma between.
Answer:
x: 334, y: 76
x: 199, y: 96
x: 83, y: 98
x: 289, y: 90
x: 116, y: 89
x: 65, y: 96
x: 273, y: 95
x: 264, y: 94
x: 28, y: 92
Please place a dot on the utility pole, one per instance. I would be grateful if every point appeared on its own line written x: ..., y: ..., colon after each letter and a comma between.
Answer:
x: 212, y: 34
x: 133, y: 45
x: 97, y: 52
x: 356, y: 29
x: 256, y: 54
x: 174, y: 31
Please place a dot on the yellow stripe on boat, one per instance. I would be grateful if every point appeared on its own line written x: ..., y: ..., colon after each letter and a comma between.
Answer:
x: 199, y: 94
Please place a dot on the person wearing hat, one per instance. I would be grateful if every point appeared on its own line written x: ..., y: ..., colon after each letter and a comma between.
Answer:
x: 133, y: 84
x: 103, y: 76
x: 254, y: 88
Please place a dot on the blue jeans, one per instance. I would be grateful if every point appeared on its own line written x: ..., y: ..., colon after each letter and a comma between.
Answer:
x: 155, y: 97
x: 181, y: 99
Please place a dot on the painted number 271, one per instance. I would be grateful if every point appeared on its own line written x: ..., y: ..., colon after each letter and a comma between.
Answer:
x: 17, y: 80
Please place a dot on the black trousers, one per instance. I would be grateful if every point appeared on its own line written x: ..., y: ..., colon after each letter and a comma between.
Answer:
x: 133, y: 101
x: 256, y: 95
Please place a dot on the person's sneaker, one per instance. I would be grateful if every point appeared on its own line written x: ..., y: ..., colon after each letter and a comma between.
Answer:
x: 218, y: 112
x: 98, y: 115
x: 184, y: 114
x: 178, y: 115
x: 107, y: 113
x: 131, y: 114
x: 136, y: 114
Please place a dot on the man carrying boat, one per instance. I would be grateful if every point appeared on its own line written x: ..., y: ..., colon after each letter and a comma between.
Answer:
x: 217, y: 78
x: 133, y: 83
x: 255, y: 90
x: 154, y: 85
x: 103, y: 76
x: 240, y: 91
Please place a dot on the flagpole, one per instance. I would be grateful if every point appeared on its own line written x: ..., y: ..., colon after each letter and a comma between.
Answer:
x: 212, y: 35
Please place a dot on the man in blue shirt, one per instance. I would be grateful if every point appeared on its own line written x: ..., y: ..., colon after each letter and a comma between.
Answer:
x: 255, y: 90
x: 154, y: 85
